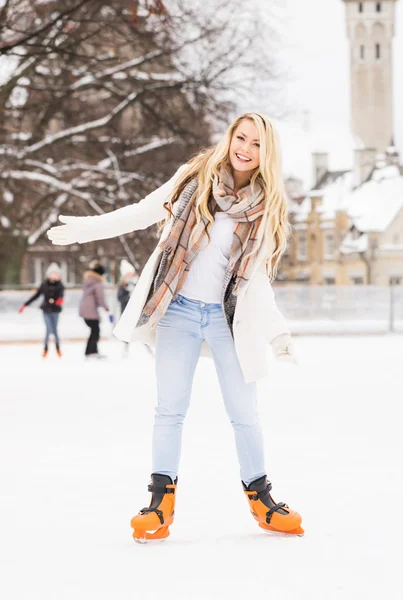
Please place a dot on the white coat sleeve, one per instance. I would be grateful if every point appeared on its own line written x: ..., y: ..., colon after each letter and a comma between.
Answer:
x: 274, y: 323
x: 141, y: 215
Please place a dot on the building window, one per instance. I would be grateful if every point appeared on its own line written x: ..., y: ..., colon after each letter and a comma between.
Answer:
x: 378, y: 51
x: 360, y: 7
x: 378, y: 7
x: 330, y: 281
x: 362, y: 52
x: 357, y: 280
x: 329, y: 245
x: 302, y: 247
x: 395, y: 280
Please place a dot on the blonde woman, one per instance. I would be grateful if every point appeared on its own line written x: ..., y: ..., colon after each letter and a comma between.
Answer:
x: 208, y: 284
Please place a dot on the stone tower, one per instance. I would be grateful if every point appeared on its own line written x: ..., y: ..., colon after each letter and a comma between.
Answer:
x: 371, y: 28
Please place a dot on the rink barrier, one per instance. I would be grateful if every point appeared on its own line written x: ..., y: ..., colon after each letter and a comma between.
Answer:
x: 309, y: 310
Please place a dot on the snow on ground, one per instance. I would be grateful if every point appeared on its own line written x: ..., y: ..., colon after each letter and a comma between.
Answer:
x: 75, y: 462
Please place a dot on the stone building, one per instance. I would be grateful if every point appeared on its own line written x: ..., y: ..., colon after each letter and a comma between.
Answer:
x: 370, y: 29
x: 349, y: 228
x: 345, y: 234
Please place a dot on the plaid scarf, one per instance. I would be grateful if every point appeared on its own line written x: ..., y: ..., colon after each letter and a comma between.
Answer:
x: 246, y: 208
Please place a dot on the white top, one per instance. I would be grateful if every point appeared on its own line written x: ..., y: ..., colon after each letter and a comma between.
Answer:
x: 205, y: 279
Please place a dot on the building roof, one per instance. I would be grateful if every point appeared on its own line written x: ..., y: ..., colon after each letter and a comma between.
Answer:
x: 329, y: 177
x: 333, y: 189
x: 371, y: 207
x: 375, y: 204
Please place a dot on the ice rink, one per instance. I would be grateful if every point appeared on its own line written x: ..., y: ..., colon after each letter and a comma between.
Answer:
x: 75, y: 462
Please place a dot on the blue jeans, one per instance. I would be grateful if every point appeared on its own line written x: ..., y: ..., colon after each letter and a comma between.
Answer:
x: 179, y: 336
x: 51, y: 320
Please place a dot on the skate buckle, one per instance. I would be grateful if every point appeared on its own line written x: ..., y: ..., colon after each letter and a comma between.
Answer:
x: 158, y: 512
x: 275, y: 508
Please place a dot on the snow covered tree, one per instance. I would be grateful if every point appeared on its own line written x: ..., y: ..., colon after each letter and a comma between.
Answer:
x: 100, y: 102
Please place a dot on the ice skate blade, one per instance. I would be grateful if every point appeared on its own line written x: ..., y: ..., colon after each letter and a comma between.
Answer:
x: 144, y: 541
x: 298, y: 532
x: 143, y: 537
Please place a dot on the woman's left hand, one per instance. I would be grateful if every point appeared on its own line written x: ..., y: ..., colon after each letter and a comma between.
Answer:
x: 283, y: 348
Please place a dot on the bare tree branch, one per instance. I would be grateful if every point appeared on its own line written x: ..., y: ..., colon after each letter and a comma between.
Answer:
x: 6, y: 47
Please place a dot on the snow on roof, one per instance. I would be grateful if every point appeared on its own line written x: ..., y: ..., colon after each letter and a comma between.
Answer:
x: 386, y: 172
x: 371, y: 207
x: 330, y: 177
x: 374, y: 205
x: 333, y: 198
x: 350, y: 244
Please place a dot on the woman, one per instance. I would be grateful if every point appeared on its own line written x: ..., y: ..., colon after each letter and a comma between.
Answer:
x: 208, y: 282
x: 52, y: 291
x: 93, y: 297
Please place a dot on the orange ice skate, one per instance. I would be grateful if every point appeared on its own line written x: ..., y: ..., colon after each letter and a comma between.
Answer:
x: 271, y: 516
x: 153, y: 523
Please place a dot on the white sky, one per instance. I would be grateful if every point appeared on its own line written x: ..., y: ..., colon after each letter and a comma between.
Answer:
x: 317, y: 54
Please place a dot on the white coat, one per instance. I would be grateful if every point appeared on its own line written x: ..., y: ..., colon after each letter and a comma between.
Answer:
x: 257, y: 320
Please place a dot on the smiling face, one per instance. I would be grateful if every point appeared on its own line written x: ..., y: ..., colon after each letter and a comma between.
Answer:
x: 244, y: 152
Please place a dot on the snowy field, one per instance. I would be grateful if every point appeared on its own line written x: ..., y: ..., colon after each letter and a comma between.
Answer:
x: 75, y: 463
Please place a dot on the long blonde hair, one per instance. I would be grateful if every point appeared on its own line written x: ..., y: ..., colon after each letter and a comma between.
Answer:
x: 206, y: 166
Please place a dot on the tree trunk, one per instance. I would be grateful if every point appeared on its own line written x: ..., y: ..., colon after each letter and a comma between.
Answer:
x: 12, y: 252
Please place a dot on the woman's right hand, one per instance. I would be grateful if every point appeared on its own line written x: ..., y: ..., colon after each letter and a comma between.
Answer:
x: 68, y: 233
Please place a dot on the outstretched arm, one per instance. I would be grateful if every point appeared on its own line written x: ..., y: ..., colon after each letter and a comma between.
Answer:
x: 148, y: 211
x: 38, y: 292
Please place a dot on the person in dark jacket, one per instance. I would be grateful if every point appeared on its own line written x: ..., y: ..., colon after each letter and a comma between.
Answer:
x: 93, y: 297
x: 127, y: 284
x: 52, y: 291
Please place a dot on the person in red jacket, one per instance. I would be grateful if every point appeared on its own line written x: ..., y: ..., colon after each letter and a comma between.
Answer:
x: 52, y: 291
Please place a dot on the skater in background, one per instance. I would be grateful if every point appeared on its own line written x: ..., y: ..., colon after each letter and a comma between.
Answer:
x: 52, y: 291
x: 128, y: 280
x: 209, y: 281
x: 92, y: 299
x: 127, y: 284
